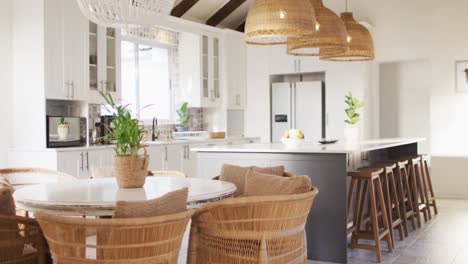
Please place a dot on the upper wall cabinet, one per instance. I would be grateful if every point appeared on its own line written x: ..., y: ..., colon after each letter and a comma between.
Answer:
x: 65, y: 39
x: 234, y: 69
x: 199, y: 65
x: 104, y: 62
x: 282, y: 63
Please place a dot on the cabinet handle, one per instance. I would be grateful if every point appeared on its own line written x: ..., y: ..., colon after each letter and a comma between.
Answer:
x: 238, y: 99
x: 68, y: 88
x: 165, y: 154
x: 82, y: 161
x: 87, y: 161
x: 188, y: 152
x: 299, y: 66
x: 72, y: 84
x: 102, y: 86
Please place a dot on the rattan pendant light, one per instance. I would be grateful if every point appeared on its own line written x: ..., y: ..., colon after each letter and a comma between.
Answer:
x: 271, y: 22
x: 361, y: 46
x: 331, y: 33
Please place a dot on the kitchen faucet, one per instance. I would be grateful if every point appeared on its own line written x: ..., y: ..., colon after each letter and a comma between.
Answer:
x: 155, y: 134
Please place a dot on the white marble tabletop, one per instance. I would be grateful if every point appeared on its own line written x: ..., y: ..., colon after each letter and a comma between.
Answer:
x: 97, y: 197
x: 340, y: 147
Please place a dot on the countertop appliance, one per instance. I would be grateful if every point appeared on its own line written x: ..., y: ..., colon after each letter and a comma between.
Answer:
x: 299, y: 105
x: 106, y: 122
x: 76, y: 134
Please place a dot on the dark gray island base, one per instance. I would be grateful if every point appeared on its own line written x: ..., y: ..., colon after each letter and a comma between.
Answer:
x: 327, y: 167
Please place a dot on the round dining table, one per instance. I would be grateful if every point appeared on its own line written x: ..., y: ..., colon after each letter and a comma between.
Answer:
x: 97, y: 197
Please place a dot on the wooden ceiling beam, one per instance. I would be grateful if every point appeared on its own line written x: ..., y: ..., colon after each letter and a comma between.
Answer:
x: 241, y: 27
x: 224, y: 12
x: 182, y: 8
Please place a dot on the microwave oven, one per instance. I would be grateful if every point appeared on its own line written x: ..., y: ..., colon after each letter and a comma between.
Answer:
x: 70, y: 134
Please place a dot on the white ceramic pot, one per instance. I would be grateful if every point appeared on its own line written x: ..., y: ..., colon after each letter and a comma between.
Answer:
x: 62, y: 131
x: 352, y: 133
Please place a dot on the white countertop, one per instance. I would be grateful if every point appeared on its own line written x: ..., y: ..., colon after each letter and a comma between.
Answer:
x: 149, y: 143
x: 337, y: 148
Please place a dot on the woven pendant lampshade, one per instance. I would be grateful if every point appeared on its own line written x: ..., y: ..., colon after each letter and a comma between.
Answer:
x: 331, y: 33
x: 361, y: 45
x: 271, y: 22
x: 125, y: 13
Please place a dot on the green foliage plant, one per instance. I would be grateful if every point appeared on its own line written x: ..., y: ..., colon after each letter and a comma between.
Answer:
x: 126, y: 132
x: 183, y: 115
x: 351, y: 112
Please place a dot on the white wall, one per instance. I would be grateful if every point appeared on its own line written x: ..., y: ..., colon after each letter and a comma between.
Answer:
x: 28, y: 102
x: 6, y: 81
x: 435, y: 31
x: 405, y: 100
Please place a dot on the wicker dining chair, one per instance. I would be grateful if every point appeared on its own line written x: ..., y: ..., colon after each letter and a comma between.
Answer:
x: 21, y: 241
x: 262, y: 229
x: 21, y: 177
x: 74, y: 240
x: 175, y: 174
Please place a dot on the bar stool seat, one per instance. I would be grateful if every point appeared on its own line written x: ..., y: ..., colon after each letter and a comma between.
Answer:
x: 368, y: 183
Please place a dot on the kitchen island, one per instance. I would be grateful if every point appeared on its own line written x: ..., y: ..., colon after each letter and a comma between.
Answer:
x: 327, y: 167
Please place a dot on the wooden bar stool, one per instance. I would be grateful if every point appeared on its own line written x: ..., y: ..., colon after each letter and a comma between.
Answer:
x: 367, y: 182
x: 429, y: 190
x: 419, y: 194
x: 404, y: 194
x: 392, y: 203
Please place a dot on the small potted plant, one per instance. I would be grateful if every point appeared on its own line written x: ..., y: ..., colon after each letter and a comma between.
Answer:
x: 352, y: 130
x: 63, y: 129
x: 183, y: 118
x: 126, y: 133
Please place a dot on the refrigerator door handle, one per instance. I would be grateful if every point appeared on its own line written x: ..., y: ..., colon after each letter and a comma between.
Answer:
x: 291, y: 106
x: 295, y: 107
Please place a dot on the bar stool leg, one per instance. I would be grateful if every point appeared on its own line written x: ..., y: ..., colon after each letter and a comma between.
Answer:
x: 375, y: 220
x: 388, y: 204
x: 408, y: 195
x: 423, y: 187
x: 394, y: 197
x: 415, y: 194
x: 431, y: 190
x: 386, y: 224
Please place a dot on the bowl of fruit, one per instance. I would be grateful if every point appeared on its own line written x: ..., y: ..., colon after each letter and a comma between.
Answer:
x: 293, y: 138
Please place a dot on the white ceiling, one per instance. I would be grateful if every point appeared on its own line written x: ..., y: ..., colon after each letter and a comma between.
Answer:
x: 204, y: 9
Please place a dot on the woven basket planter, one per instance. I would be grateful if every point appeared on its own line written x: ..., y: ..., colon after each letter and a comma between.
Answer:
x: 131, y: 171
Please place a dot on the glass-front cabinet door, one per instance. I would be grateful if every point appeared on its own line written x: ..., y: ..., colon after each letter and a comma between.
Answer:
x: 216, y: 78
x: 205, y: 68
x: 104, y: 63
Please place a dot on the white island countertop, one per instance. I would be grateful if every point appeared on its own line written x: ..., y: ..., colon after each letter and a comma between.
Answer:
x: 306, y: 148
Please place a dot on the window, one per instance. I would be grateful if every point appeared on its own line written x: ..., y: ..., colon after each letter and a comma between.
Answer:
x: 146, y: 84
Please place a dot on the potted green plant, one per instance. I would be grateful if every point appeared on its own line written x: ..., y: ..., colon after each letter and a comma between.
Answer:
x: 183, y: 117
x: 127, y: 134
x: 62, y: 129
x: 353, y: 117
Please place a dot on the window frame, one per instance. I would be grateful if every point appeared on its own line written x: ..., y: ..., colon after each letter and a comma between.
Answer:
x: 136, y: 43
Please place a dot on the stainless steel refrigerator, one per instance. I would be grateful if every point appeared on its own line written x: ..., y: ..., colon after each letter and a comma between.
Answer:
x: 299, y: 105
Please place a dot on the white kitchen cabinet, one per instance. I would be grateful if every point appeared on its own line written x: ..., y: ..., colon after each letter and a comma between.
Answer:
x: 157, y: 158
x: 234, y: 68
x: 282, y: 63
x: 200, y: 70
x: 173, y: 157
x: 65, y: 52
x: 82, y: 163
x: 103, y: 62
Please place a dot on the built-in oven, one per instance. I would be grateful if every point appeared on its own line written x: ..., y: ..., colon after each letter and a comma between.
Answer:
x: 65, y: 131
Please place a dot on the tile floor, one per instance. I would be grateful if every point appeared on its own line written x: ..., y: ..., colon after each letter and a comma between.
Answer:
x: 443, y: 240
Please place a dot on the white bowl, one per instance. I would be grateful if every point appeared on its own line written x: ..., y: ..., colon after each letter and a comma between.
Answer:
x: 292, y: 142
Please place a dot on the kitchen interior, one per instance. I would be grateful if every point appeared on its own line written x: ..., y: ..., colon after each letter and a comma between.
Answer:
x: 206, y: 92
